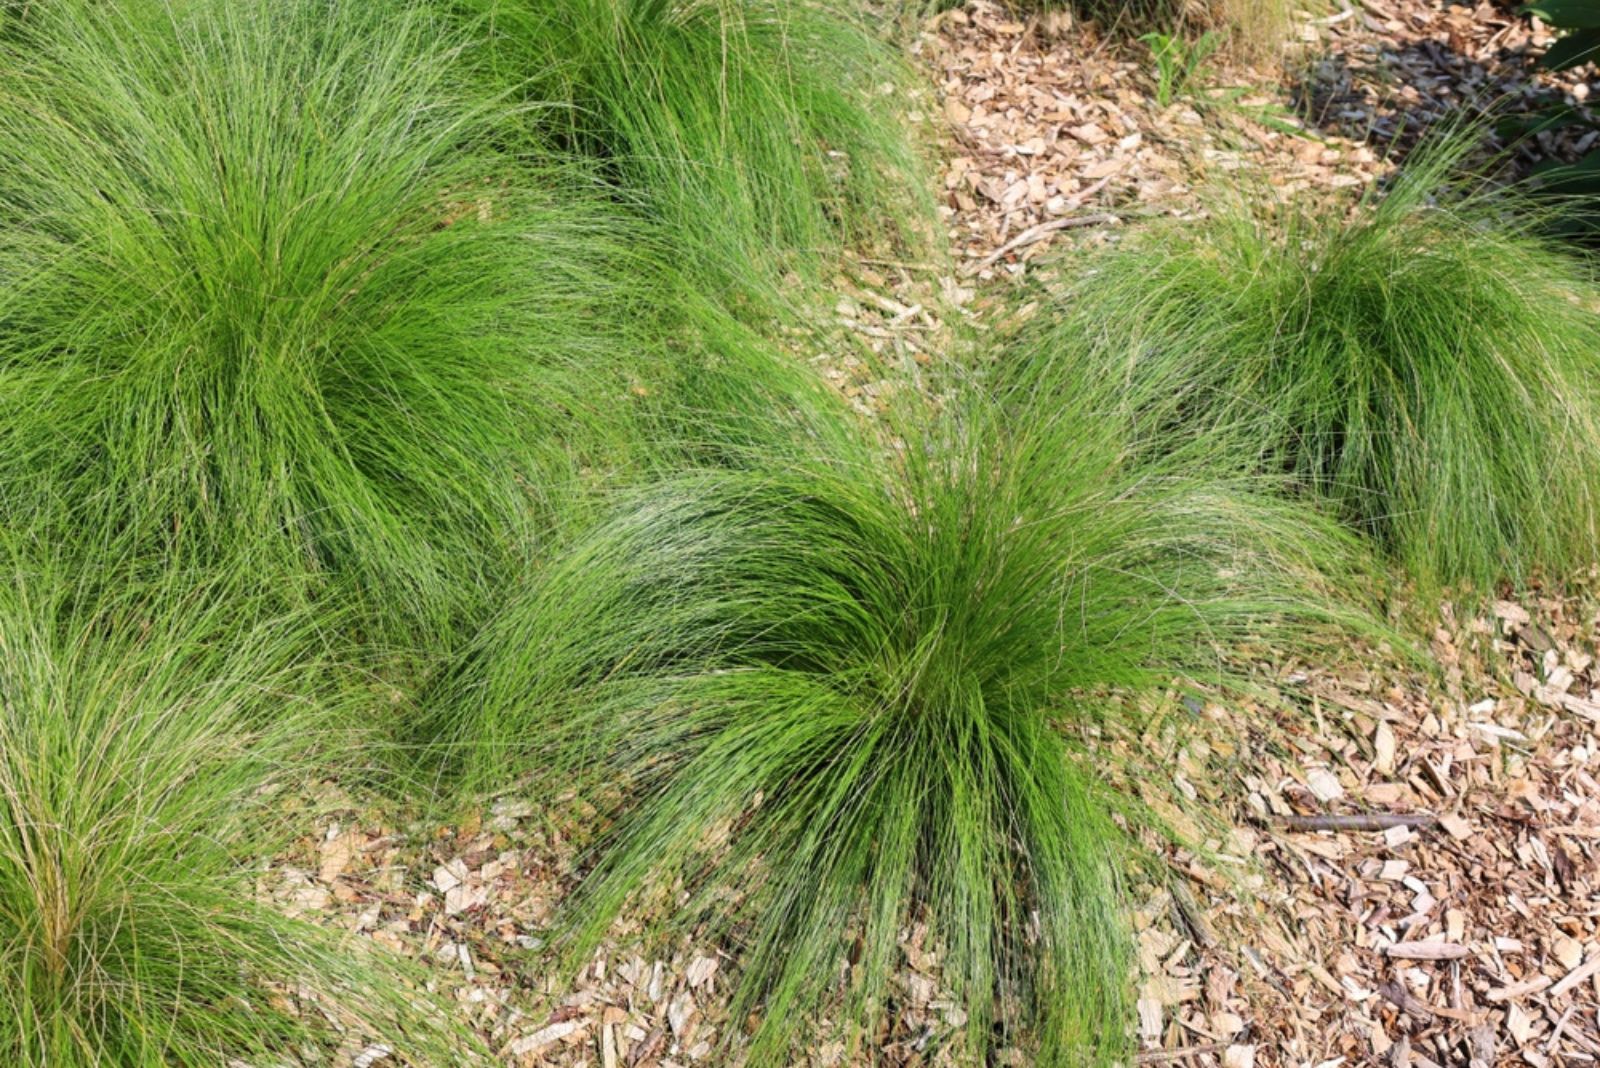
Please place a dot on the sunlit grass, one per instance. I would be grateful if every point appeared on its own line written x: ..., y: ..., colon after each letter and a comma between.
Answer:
x: 1425, y: 365
x: 146, y: 740
x: 264, y: 277
x: 837, y: 694
x: 765, y: 137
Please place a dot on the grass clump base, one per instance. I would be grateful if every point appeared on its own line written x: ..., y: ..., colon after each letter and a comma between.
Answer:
x: 839, y: 694
x: 1246, y: 29
x: 1425, y: 365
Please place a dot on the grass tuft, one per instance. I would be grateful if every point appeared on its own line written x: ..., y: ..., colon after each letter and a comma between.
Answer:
x: 145, y: 743
x: 757, y: 132
x: 837, y: 695
x: 1248, y: 29
x: 1425, y: 364
x: 264, y: 277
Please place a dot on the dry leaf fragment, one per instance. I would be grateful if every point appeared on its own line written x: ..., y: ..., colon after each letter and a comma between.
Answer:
x: 1089, y: 134
x: 447, y: 877
x: 701, y: 969
x: 460, y: 898
x: 1519, y: 1023
x: 1513, y: 614
x: 1149, y: 1020
x: 1383, y: 742
x: 608, y: 1046
x: 680, y: 1010
x: 1239, y: 1057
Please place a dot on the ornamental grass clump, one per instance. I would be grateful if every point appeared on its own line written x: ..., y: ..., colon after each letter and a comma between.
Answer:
x: 1427, y: 366
x: 146, y: 741
x: 761, y: 134
x: 839, y: 695
x: 264, y: 277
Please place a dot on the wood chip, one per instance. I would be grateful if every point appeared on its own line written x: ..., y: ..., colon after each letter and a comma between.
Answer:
x: 1577, y: 975
x: 1425, y: 951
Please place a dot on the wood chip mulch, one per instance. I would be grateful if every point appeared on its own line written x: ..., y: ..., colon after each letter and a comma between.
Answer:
x: 1053, y: 130
x: 1449, y: 915
x: 1388, y: 71
x: 1449, y: 912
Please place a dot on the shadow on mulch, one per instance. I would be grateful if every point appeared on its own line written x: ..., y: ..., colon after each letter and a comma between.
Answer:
x: 1458, y: 69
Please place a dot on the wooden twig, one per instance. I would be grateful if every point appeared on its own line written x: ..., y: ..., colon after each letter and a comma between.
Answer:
x: 1361, y: 821
x: 1184, y: 904
x: 1162, y: 1056
x: 1519, y: 990
x: 1576, y: 976
x: 1413, y: 1006
x: 900, y: 264
x: 1405, y: 1001
x: 1426, y: 951
x: 1034, y: 234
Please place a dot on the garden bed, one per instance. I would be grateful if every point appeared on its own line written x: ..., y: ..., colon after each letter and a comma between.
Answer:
x: 1399, y: 863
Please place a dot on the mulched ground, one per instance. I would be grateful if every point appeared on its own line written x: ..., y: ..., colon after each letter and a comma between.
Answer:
x: 1457, y: 921
x: 1054, y: 130
x: 1465, y: 931
x: 1459, y: 925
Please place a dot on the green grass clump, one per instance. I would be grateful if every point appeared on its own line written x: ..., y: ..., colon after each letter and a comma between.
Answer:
x: 837, y: 695
x: 265, y: 276
x: 757, y: 132
x: 145, y: 740
x: 1428, y: 368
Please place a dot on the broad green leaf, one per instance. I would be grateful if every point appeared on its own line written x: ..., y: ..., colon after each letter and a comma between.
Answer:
x: 1573, y: 50
x: 1567, y: 14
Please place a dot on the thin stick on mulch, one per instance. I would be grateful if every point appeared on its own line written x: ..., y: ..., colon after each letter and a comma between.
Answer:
x: 1034, y: 234
x: 1164, y: 1056
x: 1361, y: 821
